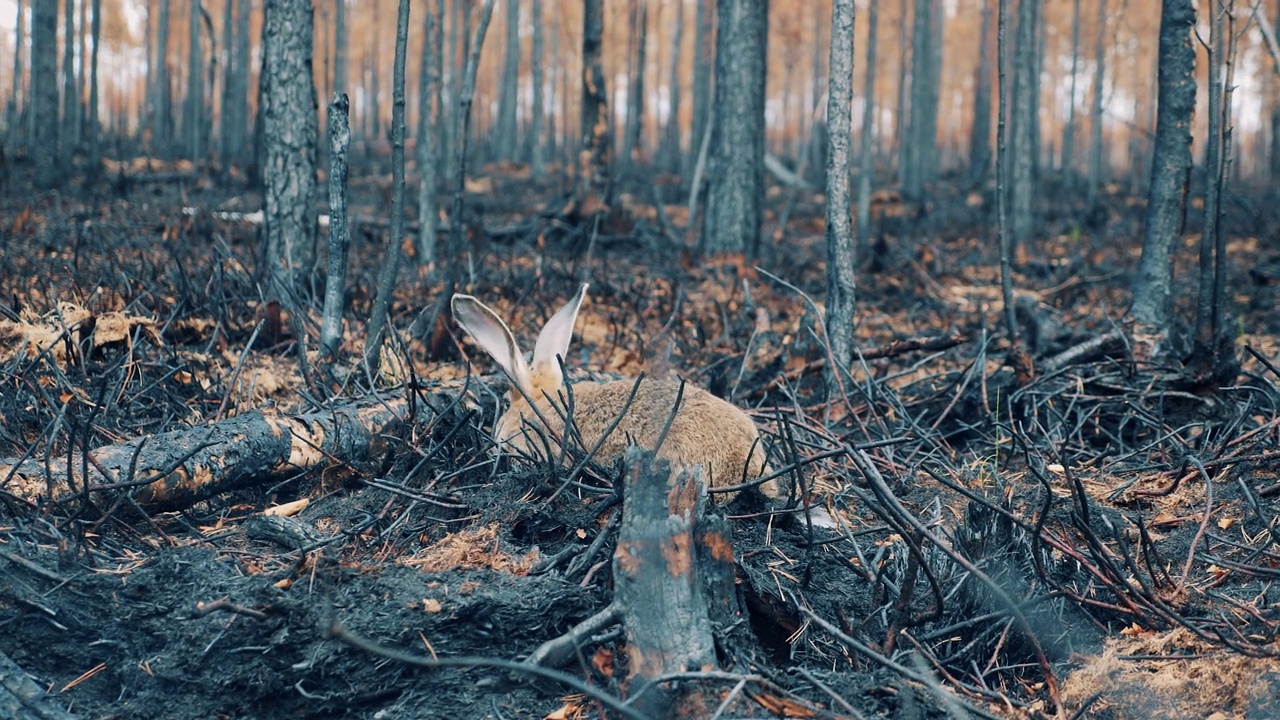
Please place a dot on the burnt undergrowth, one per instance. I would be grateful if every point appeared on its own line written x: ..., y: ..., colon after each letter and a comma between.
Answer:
x: 992, y: 534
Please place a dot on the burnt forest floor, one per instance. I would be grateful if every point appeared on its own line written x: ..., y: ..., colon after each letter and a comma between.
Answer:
x: 1107, y: 520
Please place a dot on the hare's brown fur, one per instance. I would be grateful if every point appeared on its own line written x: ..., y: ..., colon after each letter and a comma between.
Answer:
x: 706, y: 432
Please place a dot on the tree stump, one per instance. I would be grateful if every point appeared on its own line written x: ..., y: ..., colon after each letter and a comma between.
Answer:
x: 673, y: 577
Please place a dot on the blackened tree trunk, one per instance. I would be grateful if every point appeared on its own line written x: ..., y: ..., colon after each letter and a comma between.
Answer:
x: 391, y: 260
x: 93, y: 129
x: 1211, y: 326
x: 900, y: 139
x: 635, y: 86
x: 449, y: 111
x: 466, y: 96
x: 1018, y: 356
x: 290, y: 133
x: 537, y: 148
x: 339, y: 47
x: 866, y: 157
x: 672, y: 153
x: 920, y: 156
x: 1069, y: 133
x: 1021, y: 170
x: 82, y: 70
x: 430, y: 111
x: 44, y: 93
x: 1275, y: 109
x: 1037, y: 73
x: 162, y: 122
x: 841, y: 281
x: 339, y: 232
x: 931, y: 156
x: 16, y: 110
x: 193, y: 111
x: 70, y: 103
x: 228, y: 86
x: 1166, y: 198
x: 703, y: 55
x: 242, y: 151
x: 980, y: 140
x: 735, y: 196
x: 507, y: 141
x: 593, y: 158
x: 1095, y: 112
x: 149, y: 76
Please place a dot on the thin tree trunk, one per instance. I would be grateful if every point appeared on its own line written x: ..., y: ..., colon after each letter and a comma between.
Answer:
x: 537, y: 148
x: 225, y: 129
x: 841, y: 279
x: 1021, y: 184
x: 1069, y: 134
x: 340, y: 47
x: 449, y: 110
x: 922, y: 123
x: 703, y: 57
x: 1166, y: 199
x: 94, y: 130
x: 1037, y: 72
x: 902, y: 143
x: 931, y: 154
x: 391, y: 260
x: 339, y: 232
x: 1211, y: 303
x: 635, y: 88
x: 735, y: 197
x: 373, y: 128
x: 803, y: 138
x: 70, y: 105
x: 44, y: 94
x: 149, y: 82
x: 240, y: 151
x: 1275, y: 108
x: 506, y: 130
x: 980, y: 140
x: 194, y: 114
x: 593, y: 165
x: 1095, y: 112
x: 17, y: 109
x: 82, y: 73
x: 162, y: 124
x: 209, y: 88
x: 290, y: 135
x: 1018, y: 356
x: 466, y: 94
x: 672, y: 151
x: 866, y: 158
x: 430, y: 113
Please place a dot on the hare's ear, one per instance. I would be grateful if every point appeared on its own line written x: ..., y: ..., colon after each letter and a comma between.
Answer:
x: 555, y: 336
x: 493, y: 335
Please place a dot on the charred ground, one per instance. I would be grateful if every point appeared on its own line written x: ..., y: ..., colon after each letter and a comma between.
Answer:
x: 1124, y: 510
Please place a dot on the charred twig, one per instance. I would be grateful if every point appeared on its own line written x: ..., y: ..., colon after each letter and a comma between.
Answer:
x: 360, y: 643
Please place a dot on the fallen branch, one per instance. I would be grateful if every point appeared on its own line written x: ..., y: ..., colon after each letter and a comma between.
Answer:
x: 176, y: 469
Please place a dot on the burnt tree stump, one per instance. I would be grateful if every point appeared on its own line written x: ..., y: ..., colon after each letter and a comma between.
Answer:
x: 672, y: 572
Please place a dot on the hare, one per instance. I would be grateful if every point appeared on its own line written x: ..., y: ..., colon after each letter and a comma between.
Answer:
x: 706, y: 432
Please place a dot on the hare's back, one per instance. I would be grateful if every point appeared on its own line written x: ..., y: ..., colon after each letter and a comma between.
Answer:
x: 705, y: 431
